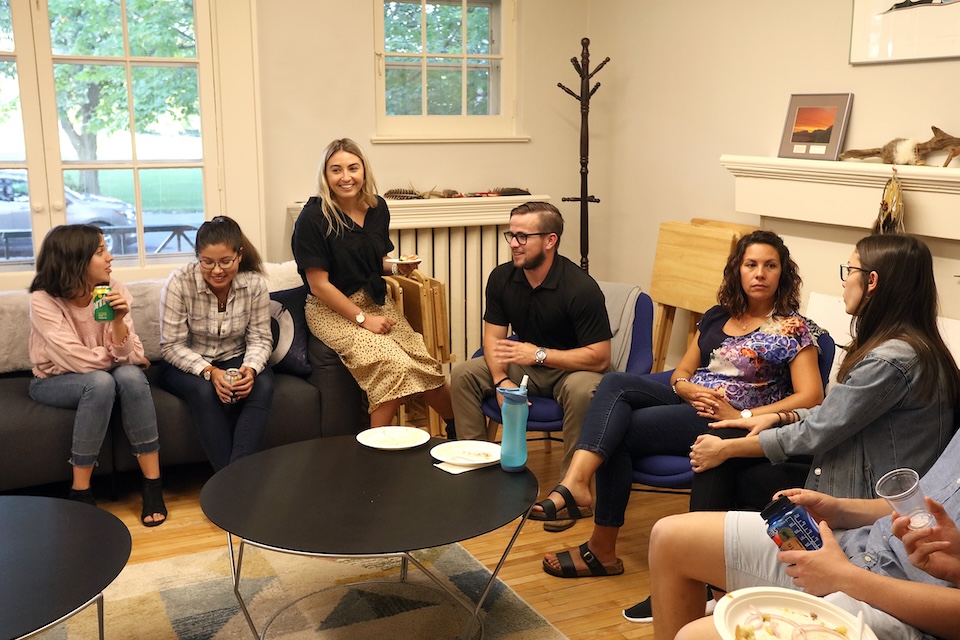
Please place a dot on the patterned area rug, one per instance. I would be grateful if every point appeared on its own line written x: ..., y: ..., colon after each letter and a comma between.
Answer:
x: 191, y: 598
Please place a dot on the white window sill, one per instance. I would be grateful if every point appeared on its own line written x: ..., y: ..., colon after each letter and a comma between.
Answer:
x: 447, y: 139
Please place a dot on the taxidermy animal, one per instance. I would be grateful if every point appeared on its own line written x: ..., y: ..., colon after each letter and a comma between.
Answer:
x: 906, y: 151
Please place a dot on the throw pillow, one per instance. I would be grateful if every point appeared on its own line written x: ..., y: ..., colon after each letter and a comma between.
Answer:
x: 290, y: 332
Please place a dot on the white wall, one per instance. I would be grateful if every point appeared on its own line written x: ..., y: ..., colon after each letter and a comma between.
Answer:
x: 317, y: 84
x: 687, y: 82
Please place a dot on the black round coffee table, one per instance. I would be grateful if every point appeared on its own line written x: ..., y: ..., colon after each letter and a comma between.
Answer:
x: 56, y: 558
x: 336, y: 497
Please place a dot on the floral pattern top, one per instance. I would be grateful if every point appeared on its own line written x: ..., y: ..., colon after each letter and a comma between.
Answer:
x: 753, y: 370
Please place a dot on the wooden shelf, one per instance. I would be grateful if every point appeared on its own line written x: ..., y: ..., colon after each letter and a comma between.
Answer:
x: 845, y: 193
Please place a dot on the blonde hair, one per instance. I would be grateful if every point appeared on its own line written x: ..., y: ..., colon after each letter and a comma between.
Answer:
x: 335, y: 216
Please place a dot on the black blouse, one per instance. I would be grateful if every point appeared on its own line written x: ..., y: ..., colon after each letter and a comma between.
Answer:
x: 353, y: 257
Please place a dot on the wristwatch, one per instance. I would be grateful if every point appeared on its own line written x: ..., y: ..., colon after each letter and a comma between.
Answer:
x: 746, y: 413
x: 541, y: 355
x: 206, y: 373
x: 360, y: 318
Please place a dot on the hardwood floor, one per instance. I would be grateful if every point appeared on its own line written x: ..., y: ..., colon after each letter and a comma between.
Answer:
x: 583, y: 609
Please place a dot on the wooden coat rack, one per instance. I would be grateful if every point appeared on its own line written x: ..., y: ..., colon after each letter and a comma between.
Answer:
x: 583, y: 68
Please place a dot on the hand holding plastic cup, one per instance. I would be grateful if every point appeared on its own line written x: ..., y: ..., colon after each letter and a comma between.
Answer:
x: 901, y: 489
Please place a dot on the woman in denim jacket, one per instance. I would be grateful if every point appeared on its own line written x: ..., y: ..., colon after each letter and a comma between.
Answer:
x: 897, y: 387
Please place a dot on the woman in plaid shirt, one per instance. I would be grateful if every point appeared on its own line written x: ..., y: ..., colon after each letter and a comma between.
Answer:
x: 215, y: 315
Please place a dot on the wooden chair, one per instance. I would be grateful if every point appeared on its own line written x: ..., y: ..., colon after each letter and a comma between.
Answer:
x: 687, y: 271
x: 425, y: 307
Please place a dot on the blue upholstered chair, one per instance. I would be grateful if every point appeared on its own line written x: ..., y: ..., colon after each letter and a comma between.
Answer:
x: 546, y: 415
x: 674, y: 472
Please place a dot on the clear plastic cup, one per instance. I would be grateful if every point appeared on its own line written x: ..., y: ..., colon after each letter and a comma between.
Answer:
x: 901, y: 489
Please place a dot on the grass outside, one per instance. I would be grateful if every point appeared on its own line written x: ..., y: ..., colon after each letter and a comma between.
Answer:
x: 162, y: 190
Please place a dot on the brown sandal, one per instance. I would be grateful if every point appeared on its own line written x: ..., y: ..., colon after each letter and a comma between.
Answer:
x: 569, y: 511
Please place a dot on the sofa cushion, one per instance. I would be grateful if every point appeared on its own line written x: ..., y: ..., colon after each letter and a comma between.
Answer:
x: 15, y: 324
x: 290, y: 332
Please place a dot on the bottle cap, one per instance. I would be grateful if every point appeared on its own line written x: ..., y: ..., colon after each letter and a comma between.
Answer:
x: 783, y: 502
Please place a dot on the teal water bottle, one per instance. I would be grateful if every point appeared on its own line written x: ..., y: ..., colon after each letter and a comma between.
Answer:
x: 513, y: 447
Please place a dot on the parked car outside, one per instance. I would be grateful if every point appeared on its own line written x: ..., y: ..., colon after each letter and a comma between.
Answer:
x: 102, y: 211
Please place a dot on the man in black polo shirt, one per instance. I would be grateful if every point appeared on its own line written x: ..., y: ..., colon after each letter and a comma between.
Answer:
x: 558, y: 313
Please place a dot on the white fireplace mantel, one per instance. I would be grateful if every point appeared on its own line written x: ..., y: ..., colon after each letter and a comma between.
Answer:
x: 845, y: 193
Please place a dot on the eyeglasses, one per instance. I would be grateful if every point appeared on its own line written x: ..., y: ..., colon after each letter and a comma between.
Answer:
x: 224, y: 264
x: 845, y: 271
x: 521, y: 237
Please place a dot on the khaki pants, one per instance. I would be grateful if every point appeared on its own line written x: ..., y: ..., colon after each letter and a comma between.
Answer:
x: 470, y: 382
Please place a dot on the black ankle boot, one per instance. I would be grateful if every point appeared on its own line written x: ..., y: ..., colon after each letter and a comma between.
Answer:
x: 82, y: 495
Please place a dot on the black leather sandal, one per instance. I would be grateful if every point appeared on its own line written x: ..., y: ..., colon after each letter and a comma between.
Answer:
x: 152, y: 502
x: 569, y: 511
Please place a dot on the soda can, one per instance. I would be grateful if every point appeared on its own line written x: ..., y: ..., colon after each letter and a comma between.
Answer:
x: 102, y: 311
x: 231, y: 376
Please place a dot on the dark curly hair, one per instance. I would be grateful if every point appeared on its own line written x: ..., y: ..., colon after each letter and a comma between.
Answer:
x: 731, y: 296
x: 63, y: 260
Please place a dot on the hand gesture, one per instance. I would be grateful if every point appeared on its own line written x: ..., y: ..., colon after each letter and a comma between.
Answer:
x: 515, y: 352
x: 820, y: 506
x: 406, y: 269
x: 756, y: 424
x: 378, y: 324
x: 823, y: 571
x: 243, y: 387
x: 221, y: 386
x: 713, y: 405
x: 936, y: 549
x: 120, y: 305
x: 707, y: 452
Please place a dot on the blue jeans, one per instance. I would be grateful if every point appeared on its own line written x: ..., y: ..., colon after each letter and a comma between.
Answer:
x: 662, y: 424
x: 92, y: 395
x: 227, y: 432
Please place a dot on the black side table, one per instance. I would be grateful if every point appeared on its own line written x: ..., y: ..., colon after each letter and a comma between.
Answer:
x: 336, y: 497
x: 56, y: 558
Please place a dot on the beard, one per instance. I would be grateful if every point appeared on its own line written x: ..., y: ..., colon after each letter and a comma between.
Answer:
x: 532, y: 261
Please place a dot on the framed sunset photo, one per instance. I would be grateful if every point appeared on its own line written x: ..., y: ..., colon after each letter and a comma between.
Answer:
x: 815, y: 125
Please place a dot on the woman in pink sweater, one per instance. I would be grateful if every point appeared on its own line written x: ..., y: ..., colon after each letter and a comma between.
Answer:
x: 82, y: 364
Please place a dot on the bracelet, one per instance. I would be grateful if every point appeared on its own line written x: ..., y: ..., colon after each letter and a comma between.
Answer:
x: 500, y: 381
x: 779, y: 419
x: 675, y: 382
x: 394, y: 269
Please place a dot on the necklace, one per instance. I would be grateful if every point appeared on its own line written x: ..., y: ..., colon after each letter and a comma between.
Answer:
x: 221, y: 305
x: 749, y: 319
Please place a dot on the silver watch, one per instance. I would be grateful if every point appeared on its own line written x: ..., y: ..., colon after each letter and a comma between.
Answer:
x: 360, y: 318
x: 541, y: 355
x: 746, y: 413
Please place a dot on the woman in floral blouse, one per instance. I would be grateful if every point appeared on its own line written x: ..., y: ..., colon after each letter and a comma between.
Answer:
x: 753, y: 354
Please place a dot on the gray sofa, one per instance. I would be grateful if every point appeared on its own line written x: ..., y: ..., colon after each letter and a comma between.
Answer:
x: 35, y: 439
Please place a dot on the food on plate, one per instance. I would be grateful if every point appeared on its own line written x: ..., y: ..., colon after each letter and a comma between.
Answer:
x: 787, y: 624
x: 410, y: 257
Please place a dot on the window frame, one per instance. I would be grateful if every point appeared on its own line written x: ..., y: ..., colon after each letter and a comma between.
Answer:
x: 446, y: 128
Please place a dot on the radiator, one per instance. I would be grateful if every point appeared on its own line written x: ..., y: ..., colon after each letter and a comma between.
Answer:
x: 460, y: 241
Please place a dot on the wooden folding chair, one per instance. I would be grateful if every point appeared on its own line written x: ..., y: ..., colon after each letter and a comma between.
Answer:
x: 687, y: 271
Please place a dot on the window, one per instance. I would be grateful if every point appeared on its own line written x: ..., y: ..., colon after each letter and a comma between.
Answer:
x: 117, y: 83
x: 445, y: 69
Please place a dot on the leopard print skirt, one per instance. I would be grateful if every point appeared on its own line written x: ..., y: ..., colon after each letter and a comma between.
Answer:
x: 386, y: 366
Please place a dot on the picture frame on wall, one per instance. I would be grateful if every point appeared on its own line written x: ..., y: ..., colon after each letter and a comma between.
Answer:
x: 902, y: 30
x: 815, y: 126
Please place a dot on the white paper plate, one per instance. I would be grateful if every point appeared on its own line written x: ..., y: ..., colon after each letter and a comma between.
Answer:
x: 736, y: 607
x: 393, y: 437
x: 399, y: 261
x: 467, y: 453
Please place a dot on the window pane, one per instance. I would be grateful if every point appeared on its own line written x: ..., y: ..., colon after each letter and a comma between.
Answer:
x: 478, y: 29
x: 103, y: 197
x: 172, y: 208
x: 401, y: 27
x: 444, y: 28
x: 16, y: 240
x: 444, y: 87
x: 11, y: 120
x: 6, y: 27
x: 478, y: 89
x: 88, y: 28
x: 404, y: 91
x: 166, y: 111
x: 92, y: 108
x: 161, y: 29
